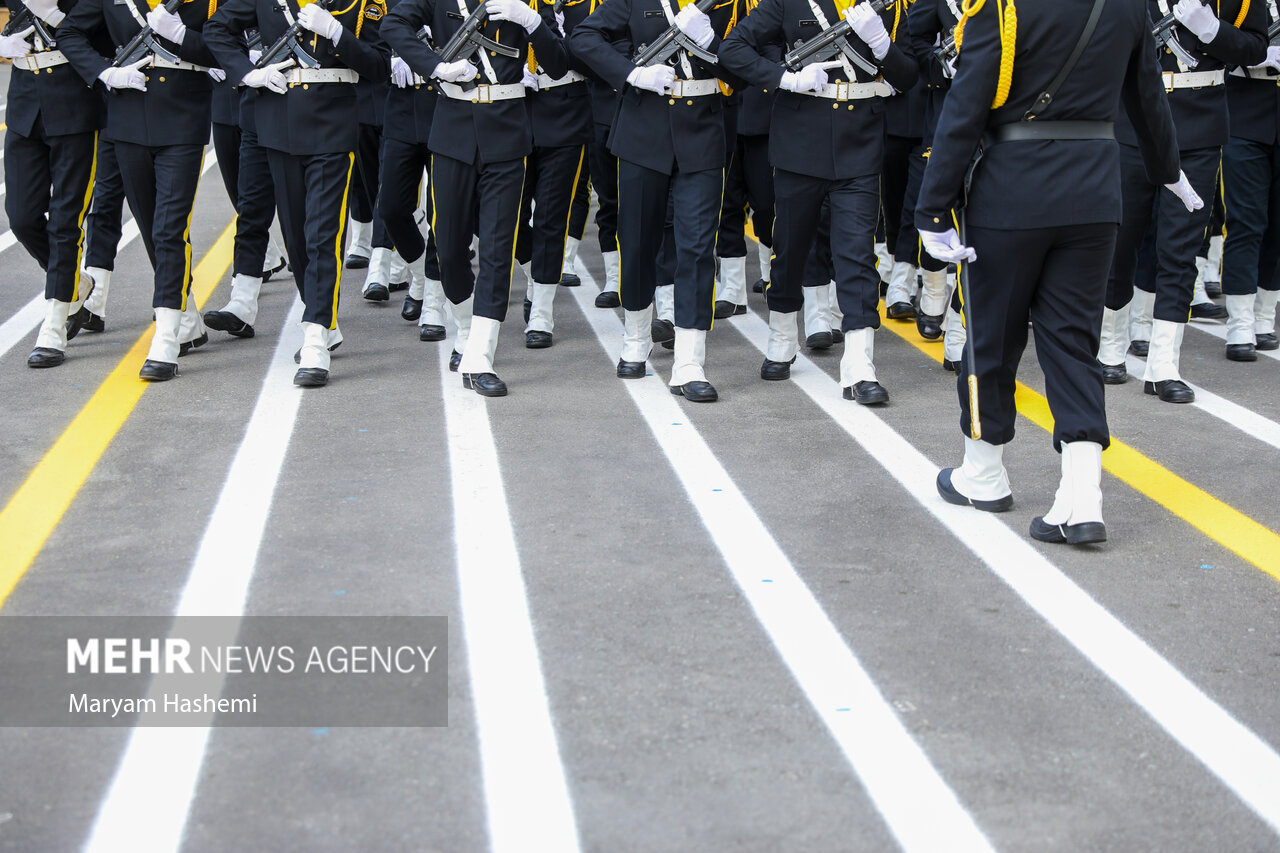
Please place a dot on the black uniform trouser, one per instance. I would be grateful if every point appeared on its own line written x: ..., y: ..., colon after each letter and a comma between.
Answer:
x: 900, y: 210
x: 1056, y: 277
x: 915, y: 179
x: 748, y: 182
x: 581, y: 204
x: 603, y: 167
x: 818, y: 270
x: 1179, y: 233
x: 105, y: 222
x: 256, y: 206
x: 1251, y: 191
x: 403, y: 165
x: 551, y: 181
x: 160, y: 183
x: 312, y: 193
x: 226, y: 144
x: 364, y: 184
x: 695, y: 204
x: 855, y: 206
x: 463, y: 194
x: 48, y: 190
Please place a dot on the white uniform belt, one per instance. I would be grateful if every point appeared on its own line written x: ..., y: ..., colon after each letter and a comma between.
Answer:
x: 321, y: 75
x: 43, y: 59
x: 180, y: 65
x: 1192, y: 79
x: 852, y: 91
x: 483, y: 94
x: 546, y: 81
x: 694, y: 88
x: 1256, y: 74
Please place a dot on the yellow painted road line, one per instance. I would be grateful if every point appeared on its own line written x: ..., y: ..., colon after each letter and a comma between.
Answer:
x: 38, y: 505
x: 1216, y: 519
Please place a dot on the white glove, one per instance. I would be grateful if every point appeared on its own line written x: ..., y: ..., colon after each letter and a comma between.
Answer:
x: 128, y: 77
x: 217, y: 75
x: 270, y: 78
x: 47, y: 11
x: 811, y: 78
x: 1272, y: 62
x: 11, y: 47
x: 1183, y: 190
x: 515, y: 12
x: 320, y: 22
x: 401, y: 73
x: 166, y: 24
x: 653, y: 78
x: 867, y: 26
x: 530, y: 80
x: 694, y: 23
x: 1199, y: 18
x: 946, y: 246
x: 455, y: 72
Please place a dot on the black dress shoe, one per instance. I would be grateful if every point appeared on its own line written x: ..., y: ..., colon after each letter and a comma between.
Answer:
x: 1208, y: 311
x: 455, y: 358
x: 569, y: 279
x: 85, y: 320
x: 158, y: 371
x: 631, y: 369
x: 758, y: 287
x: 225, y: 321
x: 267, y: 274
x: 411, y: 310
x: 663, y: 331
x: 377, y: 293
x: 696, y: 392
x: 1170, y: 391
x: 1213, y: 289
x: 311, y: 377
x: 485, y: 384
x: 723, y: 309
x: 867, y: 393
x: 1085, y: 533
x: 357, y: 262
x: 398, y: 286
x: 528, y: 306
x: 819, y: 340
x: 1114, y: 374
x: 183, y: 349
x: 537, y: 340
x: 1242, y: 352
x: 900, y: 311
x: 951, y: 496
x: 953, y: 366
x: 608, y: 299
x: 1139, y: 348
x: 431, y: 332
x: 297, y: 356
x: 929, y: 326
x: 46, y: 357
x: 1267, y: 341
x: 776, y: 370
x: 837, y: 336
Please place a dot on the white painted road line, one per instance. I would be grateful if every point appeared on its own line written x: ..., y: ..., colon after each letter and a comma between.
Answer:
x: 146, y: 807
x: 1219, y: 331
x: 1244, y: 762
x: 1246, y: 420
x: 920, y: 809
x: 526, y: 793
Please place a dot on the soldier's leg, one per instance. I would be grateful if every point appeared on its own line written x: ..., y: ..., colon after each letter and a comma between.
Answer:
x: 288, y: 179
x: 226, y: 145
x: 758, y: 177
x: 560, y: 172
x: 1123, y: 302
x: 401, y: 182
x: 854, y: 203
x: 1246, y: 177
x: 799, y: 203
x: 27, y: 181
x: 101, y: 239
x: 642, y: 202
x: 364, y: 187
x: 453, y: 198
x: 256, y: 209
x: 604, y: 180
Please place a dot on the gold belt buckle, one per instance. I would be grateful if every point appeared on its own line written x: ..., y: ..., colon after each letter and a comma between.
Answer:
x: 482, y: 94
x: 842, y: 91
x: 677, y: 89
x: 1168, y: 80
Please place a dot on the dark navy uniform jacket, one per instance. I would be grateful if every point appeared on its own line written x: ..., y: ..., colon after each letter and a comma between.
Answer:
x: 1254, y: 106
x: 316, y: 118
x: 904, y: 112
x: 929, y: 24
x: 469, y: 132
x: 1048, y: 184
x: 408, y: 112
x: 1200, y: 115
x: 58, y: 95
x: 175, y: 109
x: 816, y: 136
x: 654, y: 131
x: 561, y: 116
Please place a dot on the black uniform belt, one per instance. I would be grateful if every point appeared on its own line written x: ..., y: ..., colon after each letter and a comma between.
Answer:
x: 1037, y: 131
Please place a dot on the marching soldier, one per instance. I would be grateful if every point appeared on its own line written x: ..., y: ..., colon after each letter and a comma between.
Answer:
x: 159, y: 122
x: 1231, y: 32
x: 49, y: 151
x: 827, y: 144
x: 102, y: 230
x: 1042, y: 215
x: 904, y: 131
x: 480, y: 137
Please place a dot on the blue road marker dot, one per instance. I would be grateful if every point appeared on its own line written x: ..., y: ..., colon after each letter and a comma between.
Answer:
x: 362, y: 430
x: 1205, y: 566
x: 717, y: 490
x: 353, y: 498
x: 339, y: 592
x: 319, y: 731
x: 676, y: 423
x: 767, y: 580
x: 843, y: 710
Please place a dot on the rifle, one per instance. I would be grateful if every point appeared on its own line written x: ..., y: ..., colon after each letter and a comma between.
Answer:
x: 27, y: 18
x: 288, y: 43
x: 467, y: 40
x: 947, y: 52
x: 144, y: 43
x: 831, y: 43
x: 664, y: 48
x: 1167, y: 38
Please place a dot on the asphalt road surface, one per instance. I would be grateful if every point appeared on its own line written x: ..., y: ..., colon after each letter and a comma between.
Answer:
x: 747, y: 626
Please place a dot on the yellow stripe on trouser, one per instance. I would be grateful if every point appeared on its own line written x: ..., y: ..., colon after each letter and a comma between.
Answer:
x: 1222, y: 523
x: 337, y: 246
x: 84, y: 212
x: 515, y: 236
x: 186, y: 238
x: 715, y: 242
x: 582, y: 157
x: 36, y: 508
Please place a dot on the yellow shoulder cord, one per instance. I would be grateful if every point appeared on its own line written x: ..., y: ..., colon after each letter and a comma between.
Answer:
x: 725, y: 88
x: 1007, y: 18
x: 533, y: 60
x: 1244, y: 12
